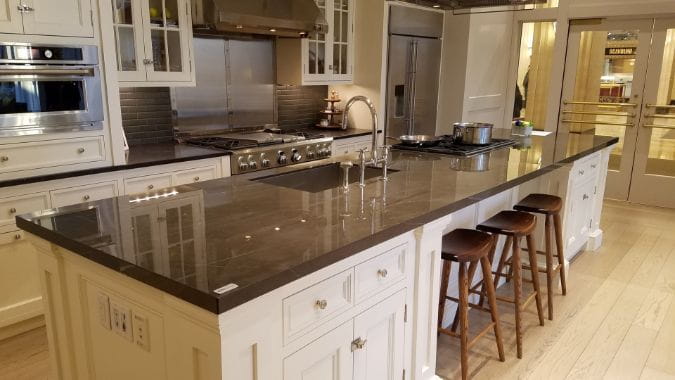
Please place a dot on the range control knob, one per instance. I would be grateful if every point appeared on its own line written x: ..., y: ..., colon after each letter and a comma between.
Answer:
x: 252, y: 164
x: 296, y: 156
x: 243, y: 165
x: 264, y: 162
x: 282, y: 160
x: 310, y: 154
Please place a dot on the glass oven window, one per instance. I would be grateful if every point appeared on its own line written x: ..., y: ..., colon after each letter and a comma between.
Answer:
x: 26, y: 96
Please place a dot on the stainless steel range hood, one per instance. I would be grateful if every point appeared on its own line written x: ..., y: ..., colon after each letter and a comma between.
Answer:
x: 474, y: 4
x: 285, y: 18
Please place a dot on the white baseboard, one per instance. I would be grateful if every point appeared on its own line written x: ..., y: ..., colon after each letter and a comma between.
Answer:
x: 594, y: 240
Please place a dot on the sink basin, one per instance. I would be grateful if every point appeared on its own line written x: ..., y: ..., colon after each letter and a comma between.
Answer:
x: 319, y: 178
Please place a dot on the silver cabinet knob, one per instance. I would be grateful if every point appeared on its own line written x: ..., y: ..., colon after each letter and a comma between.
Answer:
x: 150, y: 187
x: 358, y: 344
x: 4, y: 158
x: 581, y: 172
x: 321, y: 304
x: 86, y: 197
x: 148, y: 61
x: 196, y: 179
x: 594, y: 166
x: 17, y: 237
x: 586, y: 196
x: 383, y: 273
x: 81, y: 150
x: 12, y: 210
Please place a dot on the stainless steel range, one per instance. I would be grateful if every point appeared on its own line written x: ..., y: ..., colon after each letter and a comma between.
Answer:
x: 267, y: 149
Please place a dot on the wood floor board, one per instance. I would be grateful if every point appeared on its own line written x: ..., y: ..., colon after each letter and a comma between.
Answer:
x: 630, y: 359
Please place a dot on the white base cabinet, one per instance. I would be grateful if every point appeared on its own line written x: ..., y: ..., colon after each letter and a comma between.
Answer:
x: 71, y: 18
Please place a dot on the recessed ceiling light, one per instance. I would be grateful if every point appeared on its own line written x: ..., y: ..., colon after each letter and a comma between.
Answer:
x: 436, y: 6
x: 273, y: 30
x: 239, y: 26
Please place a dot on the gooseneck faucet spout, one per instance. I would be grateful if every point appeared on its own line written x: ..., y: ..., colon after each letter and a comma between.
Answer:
x: 373, y: 114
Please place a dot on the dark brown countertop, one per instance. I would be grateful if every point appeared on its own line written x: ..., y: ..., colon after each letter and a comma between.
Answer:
x: 138, y: 156
x: 261, y: 236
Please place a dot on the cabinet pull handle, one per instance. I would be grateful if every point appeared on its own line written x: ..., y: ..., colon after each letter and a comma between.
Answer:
x: 358, y: 344
x: 27, y: 8
x: 17, y: 237
x: 150, y: 187
x: 586, y: 196
x: 4, y: 158
x: 148, y: 61
x: 581, y: 172
x: 197, y: 179
x: 81, y: 150
x: 12, y: 210
x: 321, y: 304
x: 86, y: 197
x: 383, y: 273
x: 594, y: 166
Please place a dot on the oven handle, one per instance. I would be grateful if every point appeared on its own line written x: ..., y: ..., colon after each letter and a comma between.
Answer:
x: 88, y: 72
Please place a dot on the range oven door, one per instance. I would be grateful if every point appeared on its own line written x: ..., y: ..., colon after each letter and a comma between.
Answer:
x: 40, y: 99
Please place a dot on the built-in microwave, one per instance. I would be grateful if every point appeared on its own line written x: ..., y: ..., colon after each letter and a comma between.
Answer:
x: 49, y: 88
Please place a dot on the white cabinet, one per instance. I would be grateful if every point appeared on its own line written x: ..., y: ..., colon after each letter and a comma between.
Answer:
x: 147, y: 183
x: 153, y: 41
x: 351, y: 145
x: 51, y: 153
x: 185, y: 177
x: 63, y: 18
x: 327, y: 358
x: 322, y: 58
x: 10, y: 207
x: 47, y: 17
x: 85, y: 193
x: 580, y: 206
x: 369, y: 347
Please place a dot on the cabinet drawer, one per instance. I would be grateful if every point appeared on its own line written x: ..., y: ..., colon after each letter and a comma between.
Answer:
x: 13, y: 206
x: 43, y: 154
x: 12, y: 237
x: 309, y: 308
x: 147, y: 183
x: 380, y: 272
x: 341, y: 150
x: 86, y: 193
x: 587, y: 168
x: 196, y: 175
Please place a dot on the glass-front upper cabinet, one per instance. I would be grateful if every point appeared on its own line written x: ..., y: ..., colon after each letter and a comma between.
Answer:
x: 152, y: 39
x: 326, y: 58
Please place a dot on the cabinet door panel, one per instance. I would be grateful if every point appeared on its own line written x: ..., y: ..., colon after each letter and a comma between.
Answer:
x: 59, y: 18
x: 10, y: 18
x: 327, y: 358
x: 128, y: 28
x: 382, y: 329
x: 167, y: 31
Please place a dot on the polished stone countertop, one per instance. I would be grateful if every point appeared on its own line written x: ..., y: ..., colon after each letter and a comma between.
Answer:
x: 261, y: 236
x: 138, y: 156
x: 338, y: 134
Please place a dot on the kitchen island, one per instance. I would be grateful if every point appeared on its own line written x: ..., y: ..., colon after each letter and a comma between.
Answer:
x: 241, y: 279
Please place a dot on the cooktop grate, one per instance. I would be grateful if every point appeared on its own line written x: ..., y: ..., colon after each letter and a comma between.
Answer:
x: 446, y: 146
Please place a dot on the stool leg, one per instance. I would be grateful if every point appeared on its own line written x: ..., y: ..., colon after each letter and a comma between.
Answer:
x: 532, y: 252
x: 559, y: 248
x: 549, y: 266
x: 517, y: 293
x: 464, y: 319
x: 491, y: 258
x: 502, y: 258
x: 472, y: 271
x: 444, y: 292
x: 492, y: 300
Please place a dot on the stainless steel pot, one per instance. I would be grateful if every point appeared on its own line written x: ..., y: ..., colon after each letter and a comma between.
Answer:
x: 472, y: 133
x: 477, y: 163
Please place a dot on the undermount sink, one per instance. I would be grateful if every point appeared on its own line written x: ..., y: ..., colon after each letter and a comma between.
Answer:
x: 319, y: 178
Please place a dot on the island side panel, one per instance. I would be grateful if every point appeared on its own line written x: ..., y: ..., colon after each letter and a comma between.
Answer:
x: 160, y: 337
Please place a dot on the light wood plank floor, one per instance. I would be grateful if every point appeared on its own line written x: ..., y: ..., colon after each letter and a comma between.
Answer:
x: 617, y: 321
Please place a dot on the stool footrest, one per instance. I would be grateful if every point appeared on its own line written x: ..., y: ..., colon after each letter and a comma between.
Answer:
x: 473, y: 340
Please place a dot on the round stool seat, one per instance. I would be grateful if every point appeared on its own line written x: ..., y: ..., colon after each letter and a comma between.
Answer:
x: 510, y: 223
x: 463, y: 245
x: 540, y: 203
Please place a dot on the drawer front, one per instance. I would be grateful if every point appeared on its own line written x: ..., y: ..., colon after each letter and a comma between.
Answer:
x: 80, y: 194
x: 43, y: 154
x: 186, y: 177
x: 147, y: 183
x: 12, y: 237
x: 361, y: 145
x: 586, y: 168
x: 13, y: 206
x: 311, y: 307
x: 341, y: 150
x: 380, y: 272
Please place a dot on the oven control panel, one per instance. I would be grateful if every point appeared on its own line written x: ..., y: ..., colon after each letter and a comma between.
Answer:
x: 274, y: 156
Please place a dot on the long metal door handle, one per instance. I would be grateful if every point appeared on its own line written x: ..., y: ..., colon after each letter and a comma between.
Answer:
x: 46, y: 71
x: 413, y: 86
x: 597, y: 123
x: 658, y: 126
x: 599, y: 103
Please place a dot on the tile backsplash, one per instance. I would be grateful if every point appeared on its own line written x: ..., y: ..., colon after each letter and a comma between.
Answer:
x: 146, y: 115
x: 299, y: 106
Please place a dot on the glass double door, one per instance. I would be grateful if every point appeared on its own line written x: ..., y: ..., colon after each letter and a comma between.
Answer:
x: 620, y: 81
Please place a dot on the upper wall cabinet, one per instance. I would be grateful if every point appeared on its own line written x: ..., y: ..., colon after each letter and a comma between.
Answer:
x: 71, y: 18
x: 321, y: 58
x: 153, y: 41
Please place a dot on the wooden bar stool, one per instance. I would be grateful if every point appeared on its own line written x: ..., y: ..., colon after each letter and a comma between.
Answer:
x: 514, y: 225
x: 468, y: 247
x: 549, y: 206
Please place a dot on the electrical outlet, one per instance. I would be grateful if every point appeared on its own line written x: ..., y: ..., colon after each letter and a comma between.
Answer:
x: 141, y: 332
x: 103, y: 303
x: 121, y: 320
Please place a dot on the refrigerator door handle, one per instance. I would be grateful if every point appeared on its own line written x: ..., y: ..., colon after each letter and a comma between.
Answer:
x: 413, y: 86
x: 407, y: 114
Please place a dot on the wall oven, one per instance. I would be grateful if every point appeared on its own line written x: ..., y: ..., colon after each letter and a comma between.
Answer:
x: 49, y: 88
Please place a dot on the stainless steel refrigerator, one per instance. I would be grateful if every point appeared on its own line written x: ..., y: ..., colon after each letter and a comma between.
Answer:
x: 413, y: 71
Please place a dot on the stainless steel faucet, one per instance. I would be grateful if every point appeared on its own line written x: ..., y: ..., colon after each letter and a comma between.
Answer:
x: 375, y: 158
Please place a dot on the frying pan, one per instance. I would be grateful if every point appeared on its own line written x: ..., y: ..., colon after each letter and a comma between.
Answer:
x: 419, y: 140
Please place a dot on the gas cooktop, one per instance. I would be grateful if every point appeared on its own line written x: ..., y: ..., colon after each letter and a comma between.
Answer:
x: 447, y: 146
